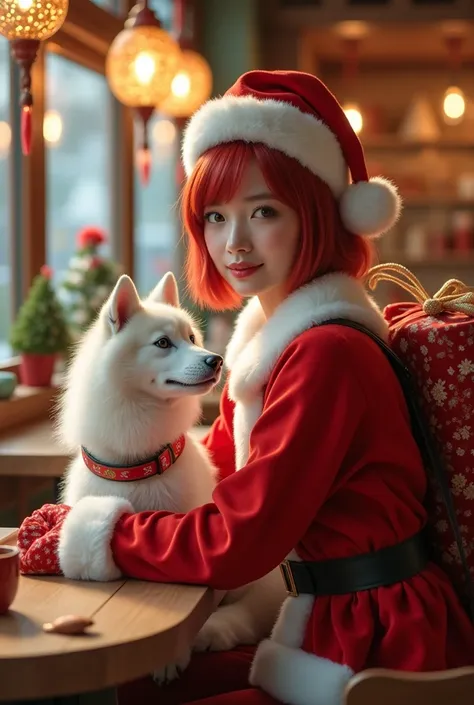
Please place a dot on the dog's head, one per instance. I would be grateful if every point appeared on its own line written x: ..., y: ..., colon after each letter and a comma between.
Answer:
x: 153, y: 345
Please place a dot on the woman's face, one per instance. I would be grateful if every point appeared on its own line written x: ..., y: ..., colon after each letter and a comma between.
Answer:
x: 252, y: 240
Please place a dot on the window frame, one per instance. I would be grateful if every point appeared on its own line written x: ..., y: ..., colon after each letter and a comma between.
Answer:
x: 83, y: 39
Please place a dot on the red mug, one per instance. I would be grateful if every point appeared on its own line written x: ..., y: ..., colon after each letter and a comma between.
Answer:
x: 9, y: 576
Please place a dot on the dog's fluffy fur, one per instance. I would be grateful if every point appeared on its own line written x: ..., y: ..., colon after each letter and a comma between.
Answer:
x: 125, y: 397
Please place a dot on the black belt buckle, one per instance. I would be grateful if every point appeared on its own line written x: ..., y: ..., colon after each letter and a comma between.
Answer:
x: 285, y: 569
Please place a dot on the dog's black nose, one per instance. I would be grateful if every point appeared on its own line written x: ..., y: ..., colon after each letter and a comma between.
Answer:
x: 214, y: 361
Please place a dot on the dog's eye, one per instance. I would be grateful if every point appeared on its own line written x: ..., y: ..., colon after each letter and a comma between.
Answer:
x: 192, y: 338
x: 163, y: 343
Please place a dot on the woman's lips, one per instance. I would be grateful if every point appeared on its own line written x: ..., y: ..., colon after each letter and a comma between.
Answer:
x: 243, y: 271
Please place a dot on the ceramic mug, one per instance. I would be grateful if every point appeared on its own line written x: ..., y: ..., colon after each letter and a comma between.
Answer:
x: 9, y: 576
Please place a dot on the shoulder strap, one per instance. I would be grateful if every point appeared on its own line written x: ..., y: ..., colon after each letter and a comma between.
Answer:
x: 431, y: 455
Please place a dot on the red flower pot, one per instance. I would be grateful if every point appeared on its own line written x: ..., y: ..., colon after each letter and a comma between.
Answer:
x: 37, y: 370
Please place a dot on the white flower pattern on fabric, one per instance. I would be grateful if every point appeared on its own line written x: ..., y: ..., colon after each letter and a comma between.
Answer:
x: 440, y: 356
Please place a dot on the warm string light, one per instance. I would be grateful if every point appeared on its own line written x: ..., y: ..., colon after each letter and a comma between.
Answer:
x: 354, y: 115
x: 164, y: 133
x: 5, y: 139
x: 454, y: 101
x: 52, y: 132
x: 52, y: 127
x: 454, y: 105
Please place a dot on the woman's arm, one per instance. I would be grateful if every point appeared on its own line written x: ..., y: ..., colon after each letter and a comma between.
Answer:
x: 259, y: 514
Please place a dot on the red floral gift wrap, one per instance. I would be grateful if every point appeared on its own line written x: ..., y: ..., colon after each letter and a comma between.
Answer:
x: 435, y: 340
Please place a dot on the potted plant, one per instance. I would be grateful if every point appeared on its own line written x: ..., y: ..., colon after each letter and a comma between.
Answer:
x: 39, y: 332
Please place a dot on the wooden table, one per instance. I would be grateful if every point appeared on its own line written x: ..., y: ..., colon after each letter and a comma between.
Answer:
x: 139, y: 627
x: 32, y: 451
x: 31, y: 457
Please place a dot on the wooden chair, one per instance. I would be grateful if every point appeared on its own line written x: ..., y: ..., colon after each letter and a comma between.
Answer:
x: 378, y: 686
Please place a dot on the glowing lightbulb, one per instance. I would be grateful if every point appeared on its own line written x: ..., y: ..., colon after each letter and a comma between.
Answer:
x: 181, y: 85
x: 145, y: 68
x: 5, y: 138
x: 25, y: 4
x: 354, y: 116
x: 164, y: 132
x: 52, y: 127
x: 454, y: 104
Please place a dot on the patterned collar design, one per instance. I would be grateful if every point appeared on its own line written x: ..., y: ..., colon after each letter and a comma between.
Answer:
x: 156, y: 465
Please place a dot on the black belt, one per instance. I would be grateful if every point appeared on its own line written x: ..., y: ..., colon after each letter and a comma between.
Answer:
x: 355, y: 573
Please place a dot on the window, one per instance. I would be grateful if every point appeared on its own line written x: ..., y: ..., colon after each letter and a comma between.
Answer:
x: 156, y: 215
x: 156, y: 232
x: 5, y: 139
x: 77, y: 135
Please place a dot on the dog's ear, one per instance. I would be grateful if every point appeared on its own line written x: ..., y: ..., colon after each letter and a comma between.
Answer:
x: 123, y: 303
x: 166, y: 291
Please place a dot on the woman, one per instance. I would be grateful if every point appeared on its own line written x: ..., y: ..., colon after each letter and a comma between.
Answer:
x: 312, y: 417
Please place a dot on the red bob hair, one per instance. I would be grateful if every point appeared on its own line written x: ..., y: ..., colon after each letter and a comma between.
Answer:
x: 325, y: 245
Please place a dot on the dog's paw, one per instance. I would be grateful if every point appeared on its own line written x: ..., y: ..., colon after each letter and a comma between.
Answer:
x: 216, y: 635
x: 171, y: 671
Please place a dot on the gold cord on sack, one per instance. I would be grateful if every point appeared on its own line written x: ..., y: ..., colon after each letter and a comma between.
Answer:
x: 454, y: 296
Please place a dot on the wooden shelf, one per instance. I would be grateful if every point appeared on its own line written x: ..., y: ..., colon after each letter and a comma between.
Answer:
x: 436, y: 202
x: 392, y: 142
x: 449, y: 260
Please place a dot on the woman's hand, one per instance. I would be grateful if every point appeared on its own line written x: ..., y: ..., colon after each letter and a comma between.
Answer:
x: 38, y: 540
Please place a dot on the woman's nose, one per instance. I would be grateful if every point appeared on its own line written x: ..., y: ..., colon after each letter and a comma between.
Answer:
x: 238, y: 240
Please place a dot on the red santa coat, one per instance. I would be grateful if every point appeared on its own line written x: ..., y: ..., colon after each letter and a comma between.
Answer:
x: 316, y: 425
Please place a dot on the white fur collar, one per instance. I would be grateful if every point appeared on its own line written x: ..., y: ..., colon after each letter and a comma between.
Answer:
x: 257, y: 343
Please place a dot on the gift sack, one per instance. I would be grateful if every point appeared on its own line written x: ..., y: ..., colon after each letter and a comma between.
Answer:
x: 434, y: 338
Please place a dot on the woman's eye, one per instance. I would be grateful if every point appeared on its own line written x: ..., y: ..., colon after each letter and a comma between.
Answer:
x: 163, y: 343
x: 214, y: 217
x: 265, y: 212
x: 192, y: 338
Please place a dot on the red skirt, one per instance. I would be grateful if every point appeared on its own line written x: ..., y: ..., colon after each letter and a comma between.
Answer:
x: 416, y: 625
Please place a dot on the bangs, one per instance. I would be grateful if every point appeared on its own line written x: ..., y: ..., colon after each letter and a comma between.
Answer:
x: 218, y: 175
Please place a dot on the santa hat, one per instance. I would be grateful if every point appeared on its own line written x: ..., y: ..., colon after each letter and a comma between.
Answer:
x: 296, y: 113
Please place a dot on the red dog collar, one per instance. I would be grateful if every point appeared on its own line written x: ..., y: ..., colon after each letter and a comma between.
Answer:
x: 128, y: 473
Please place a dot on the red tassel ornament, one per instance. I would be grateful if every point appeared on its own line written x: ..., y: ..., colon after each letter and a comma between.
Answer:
x: 24, y: 51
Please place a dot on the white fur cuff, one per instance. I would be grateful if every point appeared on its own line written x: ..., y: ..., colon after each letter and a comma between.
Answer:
x: 296, y: 677
x: 84, y: 544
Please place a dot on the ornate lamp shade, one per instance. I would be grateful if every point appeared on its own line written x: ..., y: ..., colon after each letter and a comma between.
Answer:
x: 25, y: 23
x: 140, y: 65
x: 191, y: 86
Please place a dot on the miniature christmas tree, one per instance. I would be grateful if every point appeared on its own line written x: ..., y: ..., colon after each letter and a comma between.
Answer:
x: 40, y: 327
x: 89, y: 281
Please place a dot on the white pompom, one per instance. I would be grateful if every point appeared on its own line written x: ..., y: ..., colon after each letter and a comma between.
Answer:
x: 370, y: 207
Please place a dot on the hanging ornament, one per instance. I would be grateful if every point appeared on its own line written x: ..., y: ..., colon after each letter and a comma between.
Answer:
x: 26, y: 23
x: 190, y: 87
x: 140, y: 66
x: 192, y: 83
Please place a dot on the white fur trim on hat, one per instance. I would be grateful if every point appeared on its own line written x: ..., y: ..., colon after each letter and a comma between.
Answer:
x: 367, y: 208
x: 84, y: 543
x: 272, y: 122
x: 370, y: 207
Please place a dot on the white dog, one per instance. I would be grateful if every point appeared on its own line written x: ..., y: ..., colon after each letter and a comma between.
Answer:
x: 132, y: 389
